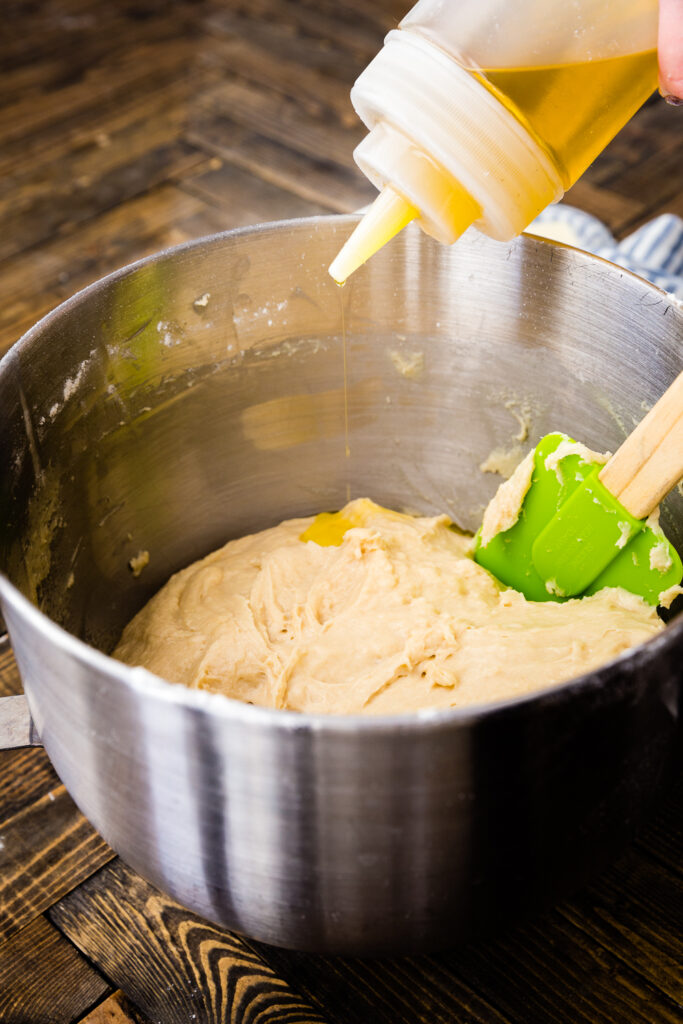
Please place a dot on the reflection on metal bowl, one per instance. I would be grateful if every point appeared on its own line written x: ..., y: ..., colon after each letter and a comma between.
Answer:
x: 197, y: 396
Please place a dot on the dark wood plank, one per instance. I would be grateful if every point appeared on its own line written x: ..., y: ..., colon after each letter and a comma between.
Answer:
x: 173, y: 965
x: 100, y: 128
x: 45, y: 850
x: 318, y: 181
x: 10, y: 681
x: 277, y: 69
x: 356, y: 30
x: 53, y: 194
x: 25, y: 776
x: 552, y: 970
x: 276, y: 33
x: 283, y: 120
x: 44, y: 979
x: 120, y: 78
x: 662, y: 835
x: 635, y: 911
x: 551, y: 974
x: 399, y: 991
x: 30, y: 285
x: 248, y: 199
x: 60, y: 39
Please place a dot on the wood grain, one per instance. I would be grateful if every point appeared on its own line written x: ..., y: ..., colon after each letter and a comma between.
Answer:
x: 10, y: 681
x: 45, y: 850
x: 283, y: 120
x: 175, y: 966
x: 246, y: 198
x: 116, y: 1009
x: 25, y: 776
x: 354, y: 29
x: 635, y: 911
x: 339, y: 190
x: 44, y: 979
x: 108, y: 167
x: 649, y: 463
x: 30, y: 286
x: 399, y: 991
x: 277, y: 69
x: 120, y: 74
x: 549, y: 971
x: 275, y: 33
x: 662, y: 835
x: 552, y: 971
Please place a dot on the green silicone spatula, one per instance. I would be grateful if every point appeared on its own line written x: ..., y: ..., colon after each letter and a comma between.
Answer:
x: 584, y: 525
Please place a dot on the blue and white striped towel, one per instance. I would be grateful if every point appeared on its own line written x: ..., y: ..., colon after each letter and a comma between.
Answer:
x: 654, y: 251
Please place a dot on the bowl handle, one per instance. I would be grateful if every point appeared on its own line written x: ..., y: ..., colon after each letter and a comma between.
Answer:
x: 16, y: 725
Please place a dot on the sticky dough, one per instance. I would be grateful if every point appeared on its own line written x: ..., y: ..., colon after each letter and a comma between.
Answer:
x: 395, y: 618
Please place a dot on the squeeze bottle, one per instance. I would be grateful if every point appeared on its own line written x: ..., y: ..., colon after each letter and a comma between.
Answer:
x: 485, y: 111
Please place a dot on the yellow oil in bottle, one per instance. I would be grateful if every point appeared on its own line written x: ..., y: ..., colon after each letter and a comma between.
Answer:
x: 574, y: 110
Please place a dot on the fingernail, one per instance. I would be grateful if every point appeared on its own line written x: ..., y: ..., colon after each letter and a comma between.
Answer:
x: 674, y: 101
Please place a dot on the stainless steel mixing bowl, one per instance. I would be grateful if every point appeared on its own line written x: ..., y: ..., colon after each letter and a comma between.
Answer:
x: 197, y: 396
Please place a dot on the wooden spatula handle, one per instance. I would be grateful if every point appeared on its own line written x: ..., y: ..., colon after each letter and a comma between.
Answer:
x: 650, y: 461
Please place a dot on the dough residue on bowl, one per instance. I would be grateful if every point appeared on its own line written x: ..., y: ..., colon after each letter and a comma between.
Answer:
x: 373, y: 612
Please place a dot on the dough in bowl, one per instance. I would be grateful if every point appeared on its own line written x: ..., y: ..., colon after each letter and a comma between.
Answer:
x: 380, y: 613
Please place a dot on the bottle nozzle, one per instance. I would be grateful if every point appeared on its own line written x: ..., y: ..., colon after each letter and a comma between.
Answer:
x: 388, y: 215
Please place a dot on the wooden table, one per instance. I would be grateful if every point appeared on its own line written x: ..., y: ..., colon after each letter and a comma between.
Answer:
x: 132, y: 125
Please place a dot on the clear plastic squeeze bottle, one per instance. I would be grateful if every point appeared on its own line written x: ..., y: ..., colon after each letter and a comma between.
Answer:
x: 485, y: 111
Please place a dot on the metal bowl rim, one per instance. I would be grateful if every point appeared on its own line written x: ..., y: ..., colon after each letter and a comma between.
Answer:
x: 205, y: 241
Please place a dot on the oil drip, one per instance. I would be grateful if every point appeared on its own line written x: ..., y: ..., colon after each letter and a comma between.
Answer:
x: 347, y: 445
